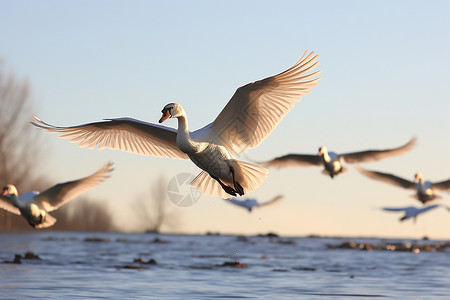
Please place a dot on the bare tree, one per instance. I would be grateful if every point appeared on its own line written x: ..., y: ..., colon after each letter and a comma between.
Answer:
x: 152, y: 213
x: 84, y: 215
x: 20, y: 155
x: 19, y: 151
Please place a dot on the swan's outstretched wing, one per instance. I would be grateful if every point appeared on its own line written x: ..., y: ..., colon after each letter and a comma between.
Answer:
x: 387, y: 178
x: 374, y: 155
x: 443, y: 185
x: 293, y: 161
x: 272, y: 201
x: 5, y: 203
x: 60, y: 194
x: 125, y: 134
x: 256, y: 108
x: 397, y: 208
x: 427, y: 208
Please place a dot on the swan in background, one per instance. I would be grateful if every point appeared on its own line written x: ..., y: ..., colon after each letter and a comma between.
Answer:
x: 251, y: 203
x: 424, y: 188
x: 35, y: 206
x: 332, y: 161
x: 248, y: 118
x: 411, y: 211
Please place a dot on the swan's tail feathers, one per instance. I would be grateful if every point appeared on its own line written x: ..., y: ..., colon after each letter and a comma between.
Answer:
x: 248, y: 175
x: 48, y: 221
x: 342, y: 171
x: 209, y: 186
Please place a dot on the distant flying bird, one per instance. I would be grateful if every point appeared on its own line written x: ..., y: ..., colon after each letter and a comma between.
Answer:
x: 424, y: 188
x: 411, y: 211
x: 35, y: 206
x: 251, y: 203
x: 332, y: 161
x: 248, y: 118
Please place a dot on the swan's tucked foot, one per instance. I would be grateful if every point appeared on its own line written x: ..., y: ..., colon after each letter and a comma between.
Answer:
x: 226, y: 188
x: 237, y: 186
x: 229, y: 190
x: 239, y: 189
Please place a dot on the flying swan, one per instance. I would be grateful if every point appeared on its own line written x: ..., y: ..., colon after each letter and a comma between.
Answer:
x: 248, y: 118
x: 35, y: 206
x: 411, y: 211
x: 249, y: 204
x: 424, y: 188
x: 332, y: 161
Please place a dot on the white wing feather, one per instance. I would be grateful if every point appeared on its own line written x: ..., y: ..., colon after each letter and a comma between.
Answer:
x: 256, y: 108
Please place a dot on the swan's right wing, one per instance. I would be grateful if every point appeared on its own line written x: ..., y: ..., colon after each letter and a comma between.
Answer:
x: 5, y: 203
x: 125, y: 134
x: 387, y: 178
x: 270, y: 202
x: 293, y: 161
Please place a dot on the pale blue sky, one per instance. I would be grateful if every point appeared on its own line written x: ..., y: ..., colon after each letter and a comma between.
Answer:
x: 386, y: 78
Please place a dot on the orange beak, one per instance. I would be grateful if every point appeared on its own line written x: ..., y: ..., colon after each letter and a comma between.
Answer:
x: 5, y: 192
x: 165, y: 116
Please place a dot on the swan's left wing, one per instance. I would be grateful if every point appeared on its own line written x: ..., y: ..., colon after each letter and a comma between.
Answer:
x: 396, y: 208
x: 374, y: 155
x: 256, y: 108
x: 293, y: 160
x: 443, y: 185
x: 125, y: 134
x: 270, y: 202
x: 5, y: 203
x: 62, y: 193
x: 387, y: 178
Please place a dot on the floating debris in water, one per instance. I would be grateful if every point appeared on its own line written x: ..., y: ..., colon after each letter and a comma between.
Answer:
x: 96, y: 240
x: 159, y: 241
x: 280, y: 270
x: 405, y: 247
x: 303, y: 269
x: 287, y: 242
x: 234, y: 264
x: 140, y: 260
x: 18, y: 258
x: 31, y: 255
x: 270, y: 234
x: 133, y: 267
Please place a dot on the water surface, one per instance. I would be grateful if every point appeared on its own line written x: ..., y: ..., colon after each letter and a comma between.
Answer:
x: 76, y: 265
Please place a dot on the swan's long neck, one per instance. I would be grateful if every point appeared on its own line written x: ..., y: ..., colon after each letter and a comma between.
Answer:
x: 326, y: 156
x: 15, y: 200
x: 184, y: 141
x: 420, y: 180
